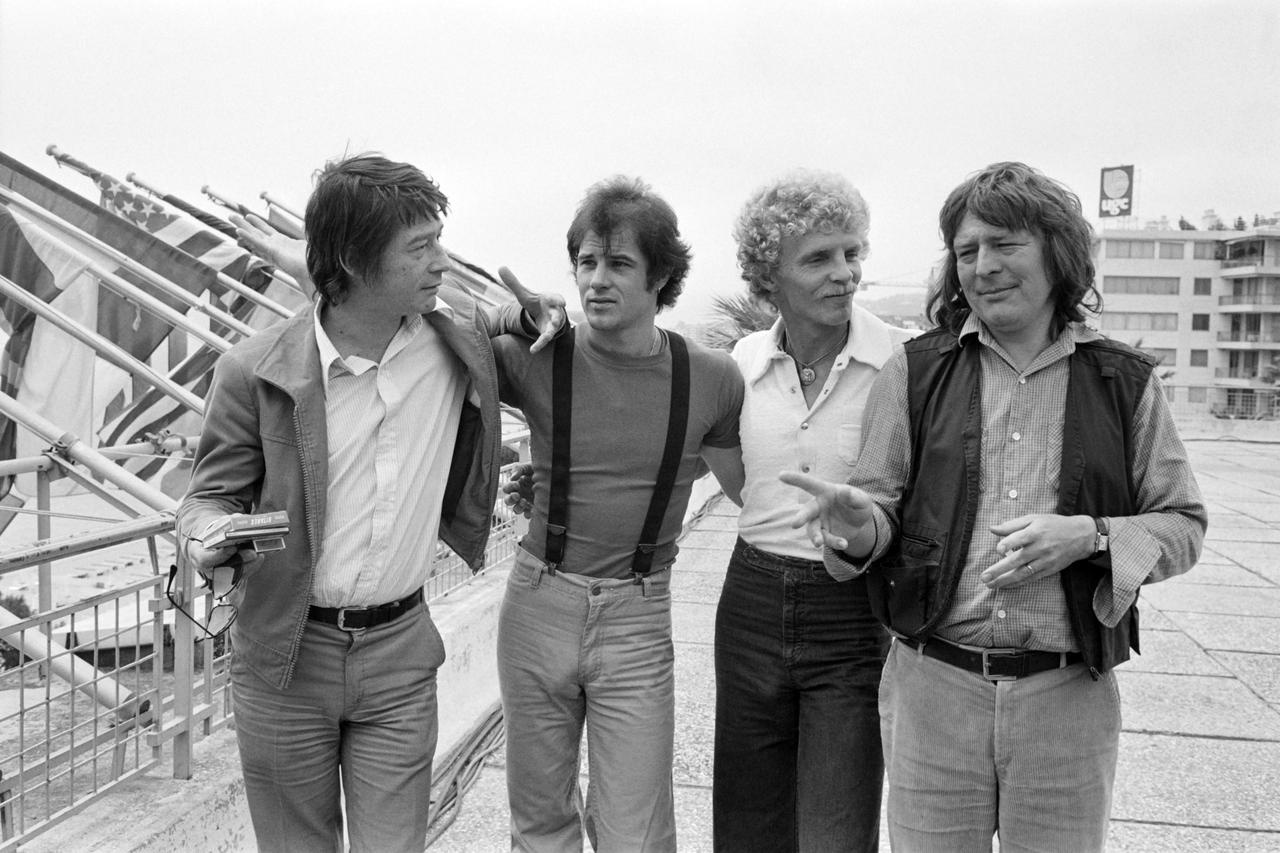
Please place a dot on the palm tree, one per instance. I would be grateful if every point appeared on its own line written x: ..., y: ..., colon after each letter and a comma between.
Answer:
x: 737, y: 316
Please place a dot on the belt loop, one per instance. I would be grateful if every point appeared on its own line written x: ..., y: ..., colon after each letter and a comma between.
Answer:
x: 645, y: 582
x: 536, y: 580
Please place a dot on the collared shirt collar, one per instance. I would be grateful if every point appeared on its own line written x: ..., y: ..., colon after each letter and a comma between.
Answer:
x: 868, y: 342
x: 329, y: 354
x: 1064, y: 345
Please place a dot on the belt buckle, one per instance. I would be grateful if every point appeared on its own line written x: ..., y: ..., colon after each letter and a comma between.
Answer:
x: 342, y: 620
x: 987, y: 655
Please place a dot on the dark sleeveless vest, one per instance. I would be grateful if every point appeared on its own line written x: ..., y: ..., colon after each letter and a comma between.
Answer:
x: 913, y: 584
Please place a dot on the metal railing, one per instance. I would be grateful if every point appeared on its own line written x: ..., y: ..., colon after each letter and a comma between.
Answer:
x: 1249, y: 337
x: 97, y: 691
x: 1250, y: 299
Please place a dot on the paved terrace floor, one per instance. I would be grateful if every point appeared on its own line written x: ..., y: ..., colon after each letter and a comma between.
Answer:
x: 1200, y: 750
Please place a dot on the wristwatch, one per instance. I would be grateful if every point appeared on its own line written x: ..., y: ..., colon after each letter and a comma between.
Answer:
x: 1101, y: 541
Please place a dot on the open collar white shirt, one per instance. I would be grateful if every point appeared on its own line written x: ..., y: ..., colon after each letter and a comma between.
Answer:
x: 780, y: 431
x: 391, y: 429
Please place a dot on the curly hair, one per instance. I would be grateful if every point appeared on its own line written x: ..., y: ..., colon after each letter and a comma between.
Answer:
x: 799, y: 203
x: 621, y: 202
x: 1017, y: 197
x: 358, y: 206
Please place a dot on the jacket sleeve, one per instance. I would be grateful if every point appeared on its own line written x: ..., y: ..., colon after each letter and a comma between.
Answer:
x: 229, y: 461
x: 507, y: 319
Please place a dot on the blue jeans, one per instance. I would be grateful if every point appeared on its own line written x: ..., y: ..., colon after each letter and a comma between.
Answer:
x: 1032, y: 759
x: 574, y: 650
x: 798, y: 764
x: 358, y: 719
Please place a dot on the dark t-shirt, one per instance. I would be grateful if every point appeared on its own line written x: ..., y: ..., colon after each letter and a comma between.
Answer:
x: 620, y: 411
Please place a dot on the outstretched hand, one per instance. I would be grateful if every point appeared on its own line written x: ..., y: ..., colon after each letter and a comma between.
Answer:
x: 839, y: 516
x: 545, y: 309
x: 254, y: 234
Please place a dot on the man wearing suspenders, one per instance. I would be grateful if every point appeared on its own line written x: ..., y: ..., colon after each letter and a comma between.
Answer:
x: 619, y: 412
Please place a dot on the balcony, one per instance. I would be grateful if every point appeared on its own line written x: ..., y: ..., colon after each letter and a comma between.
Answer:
x: 1249, y: 340
x: 1243, y: 267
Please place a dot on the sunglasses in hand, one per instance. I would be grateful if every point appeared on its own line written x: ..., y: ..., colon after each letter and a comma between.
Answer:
x: 220, y: 582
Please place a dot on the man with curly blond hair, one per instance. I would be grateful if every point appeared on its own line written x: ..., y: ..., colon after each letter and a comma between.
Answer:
x: 798, y: 656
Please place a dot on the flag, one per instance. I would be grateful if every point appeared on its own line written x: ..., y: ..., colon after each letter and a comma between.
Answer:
x: 134, y: 330
x: 135, y: 413
x: 284, y: 222
x: 42, y: 366
x: 1115, y: 197
x: 207, y: 246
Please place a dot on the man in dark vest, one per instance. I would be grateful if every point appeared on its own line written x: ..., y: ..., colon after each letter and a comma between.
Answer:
x: 1021, y: 478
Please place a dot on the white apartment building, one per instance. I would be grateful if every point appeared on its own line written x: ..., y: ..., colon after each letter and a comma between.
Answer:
x: 1207, y: 303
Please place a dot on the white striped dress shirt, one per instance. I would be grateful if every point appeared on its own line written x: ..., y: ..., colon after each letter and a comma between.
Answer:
x: 391, y: 429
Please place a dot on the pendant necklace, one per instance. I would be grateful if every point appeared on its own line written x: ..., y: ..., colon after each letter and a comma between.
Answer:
x: 805, y: 368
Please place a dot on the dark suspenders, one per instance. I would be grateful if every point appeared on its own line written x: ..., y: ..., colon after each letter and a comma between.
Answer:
x: 561, y: 407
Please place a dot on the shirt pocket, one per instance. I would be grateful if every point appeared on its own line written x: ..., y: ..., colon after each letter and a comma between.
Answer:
x: 848, y: 442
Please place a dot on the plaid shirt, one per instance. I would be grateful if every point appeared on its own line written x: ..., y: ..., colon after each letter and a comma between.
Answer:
x: 1022, y: 420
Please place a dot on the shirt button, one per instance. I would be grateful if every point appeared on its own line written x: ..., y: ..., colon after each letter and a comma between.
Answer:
x: 1017, y: 436
x: 1022, y: 380
x: 595, y: 590
x: 804, y: 468
x: 1000, y: 613
x: 1013, y: 493
x: 804, y: 425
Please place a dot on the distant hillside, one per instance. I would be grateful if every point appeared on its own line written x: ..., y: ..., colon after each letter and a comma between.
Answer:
x: 892, y: 301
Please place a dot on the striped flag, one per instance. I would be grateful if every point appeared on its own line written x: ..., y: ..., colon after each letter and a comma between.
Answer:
x: 42, y: 366
x: 132, y: 417
x: 136, y: 331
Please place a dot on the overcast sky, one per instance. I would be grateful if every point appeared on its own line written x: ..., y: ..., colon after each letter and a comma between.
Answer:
x: 516, y: 107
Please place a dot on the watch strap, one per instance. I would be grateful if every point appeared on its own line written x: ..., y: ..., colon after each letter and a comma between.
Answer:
x: 1102, y: 539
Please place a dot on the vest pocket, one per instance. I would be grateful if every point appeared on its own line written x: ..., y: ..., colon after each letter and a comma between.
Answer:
x: 899, y: 584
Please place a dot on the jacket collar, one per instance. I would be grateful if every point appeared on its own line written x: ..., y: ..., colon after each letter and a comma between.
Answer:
x: 293, y: 361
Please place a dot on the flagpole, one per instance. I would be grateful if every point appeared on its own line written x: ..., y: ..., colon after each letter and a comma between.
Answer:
x: 218, y: 224
x: 124, y: 288
x: 62, y: 158
x: 105, y: 348
x: 227, y: 230
x: 265, y: 196
x: 226, y: 202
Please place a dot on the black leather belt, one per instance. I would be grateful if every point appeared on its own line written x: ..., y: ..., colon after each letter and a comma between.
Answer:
x: 994, y: 664
x: 357, y: 618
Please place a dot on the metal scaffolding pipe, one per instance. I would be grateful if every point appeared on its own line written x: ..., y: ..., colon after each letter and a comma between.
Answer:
x: 84, y: 676
x: 79, y: 451
x: 101, y: 345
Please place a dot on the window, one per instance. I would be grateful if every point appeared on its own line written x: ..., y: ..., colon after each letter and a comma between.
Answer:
x: 1199, y: 358
x: 1149, y: 285
x: 1196, y: 394
x: 1121, y: 320
x: 1199, y: 322
x: 1206, y: 252
x: 1203, y: 287
x: 1164, y: 357
x: 1131, y: 249
x: 1171, y: 250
